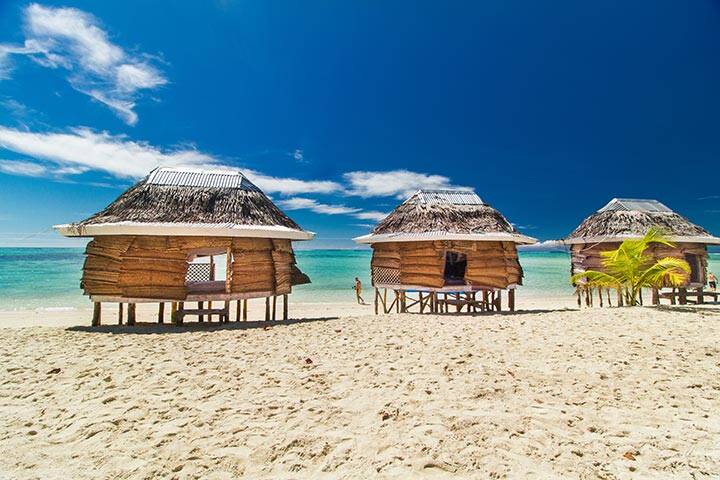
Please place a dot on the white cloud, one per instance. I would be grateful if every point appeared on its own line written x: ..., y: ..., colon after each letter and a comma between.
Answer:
x: 299, y: 203
x: 82, y: 149
x: 396, y: 183
x: 26, y: 169
x: 371, y: 215
x: 73, y: 39
x: 291, y: 186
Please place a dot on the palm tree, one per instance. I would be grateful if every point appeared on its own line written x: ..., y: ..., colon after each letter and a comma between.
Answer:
x: 629, y: 269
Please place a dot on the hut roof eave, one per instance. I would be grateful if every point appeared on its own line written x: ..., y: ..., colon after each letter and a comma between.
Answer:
x: 183, y: 229
x: 709, y: 240
x: 439, y: 235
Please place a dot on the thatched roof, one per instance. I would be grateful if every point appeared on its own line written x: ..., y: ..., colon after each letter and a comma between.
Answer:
x: 176, y: 201
x: 624, y: 218
x: 444, y: 215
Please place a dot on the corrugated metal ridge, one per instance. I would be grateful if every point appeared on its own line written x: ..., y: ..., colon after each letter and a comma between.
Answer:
x: 447, y: 196
x: 635, y: 205
x: 180, y: 177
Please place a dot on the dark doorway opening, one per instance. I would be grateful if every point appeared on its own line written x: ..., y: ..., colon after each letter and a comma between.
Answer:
x: 455, y: 265
x: 693, y: 260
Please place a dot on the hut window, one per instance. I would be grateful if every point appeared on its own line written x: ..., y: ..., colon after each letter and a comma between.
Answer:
x: 455, y: 265
x: 206, y: 272
x: 695, y: 268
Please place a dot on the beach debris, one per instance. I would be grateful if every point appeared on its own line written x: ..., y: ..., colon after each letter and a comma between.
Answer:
x: 308, y: 361
x: 53, y: 371
x: 630, y: 455
x: 266, y: 328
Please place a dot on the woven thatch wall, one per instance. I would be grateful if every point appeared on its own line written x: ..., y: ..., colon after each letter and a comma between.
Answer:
x: 489, y: 264
x: 588, y: 257
x: 155, y: 267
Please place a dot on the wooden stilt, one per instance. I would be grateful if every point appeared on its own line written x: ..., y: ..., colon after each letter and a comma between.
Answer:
x: 226, y: 312
x: 274, y: 307
x: 238, y: 310
x: 499, y: 300
x: 120, y: 313
x: 267, y: 309
x: 672, y: 298
x: 245, y: 309
x: 640, y: 297
x: 377, y: 294
x: 131, y: 314
x: 161, y: 312
x: 174, y: 313
x: 587, y: 297
x: 201, y: 318
x: 97, y: 313
x: 619, y: 298
x: 655, y: 296
x: 600, y: 297
x: 285, y: 306
x: 700, y: 298
x: 181, y: 313
x: 607, y: 292
x: 210, y: 305
x: 511, y: 300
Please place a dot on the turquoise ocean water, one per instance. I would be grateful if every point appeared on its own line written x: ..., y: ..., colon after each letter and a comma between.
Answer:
x: 49, y: 278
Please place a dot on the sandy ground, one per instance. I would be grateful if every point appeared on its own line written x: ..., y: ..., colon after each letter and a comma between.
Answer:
x: 599, y: 393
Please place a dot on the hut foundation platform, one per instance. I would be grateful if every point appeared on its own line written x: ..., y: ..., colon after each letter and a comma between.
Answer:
x: 440, y: 300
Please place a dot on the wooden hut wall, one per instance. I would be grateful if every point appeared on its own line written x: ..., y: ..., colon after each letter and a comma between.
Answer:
x: 422, y: 263
x: 589, y: 257
x: 156, y: 267
x: 489, y: 264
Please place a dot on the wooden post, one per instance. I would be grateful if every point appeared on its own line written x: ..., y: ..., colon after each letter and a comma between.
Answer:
x: 655, y: 296
x: 210, y: 308
x: 700, y: 298
x: 245, y: 309
x: 285, y: 306
x: 97, y: 313
x: 131, y: 314
x: 228, y: 270
x: 385, y: 309
x: 619, y: 296
x: 181, y: 313
x: 201, y: 318
x: 226, y: 315
x: 682, y: 296
x: 600, y: 296
x: 274, y: 307
x: 511, y: 300
x: 120, y: 313
x: 672, y: 297
x: 267, y: 309
x: 499, y: 300
x: 173, y: 313
x: 376, y: 300
x: 238, y: 310
x: 640, y: 297
x: 607, y: 291
x: 161, y: 312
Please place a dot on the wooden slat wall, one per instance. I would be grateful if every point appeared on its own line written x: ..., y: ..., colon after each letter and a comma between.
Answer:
x: 588, y: 257
x: 156, y: 267
x: 421, y: 263
x: 492, y: 264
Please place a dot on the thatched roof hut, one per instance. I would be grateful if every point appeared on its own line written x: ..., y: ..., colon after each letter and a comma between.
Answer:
x: 625, y: 218
x: 445, y: 241
x: 151, y: 243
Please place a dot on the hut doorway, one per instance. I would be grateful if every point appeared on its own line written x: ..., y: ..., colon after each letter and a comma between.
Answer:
x: 455, y: 265
x: 696, y: 272
x: 207, y: 271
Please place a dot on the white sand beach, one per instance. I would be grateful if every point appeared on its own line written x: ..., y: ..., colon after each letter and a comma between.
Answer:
x: 542, y: 393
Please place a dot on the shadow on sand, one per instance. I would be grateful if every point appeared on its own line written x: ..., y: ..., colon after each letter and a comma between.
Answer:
x: 143, y: 328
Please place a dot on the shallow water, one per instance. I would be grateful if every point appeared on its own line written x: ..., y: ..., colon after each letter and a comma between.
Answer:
x: 49, y: 278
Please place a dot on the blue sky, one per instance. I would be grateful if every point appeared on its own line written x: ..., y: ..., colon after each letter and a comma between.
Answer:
x: 339, y: 109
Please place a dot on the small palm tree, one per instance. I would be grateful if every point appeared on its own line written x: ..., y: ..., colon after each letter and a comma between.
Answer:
x: 629, y: 269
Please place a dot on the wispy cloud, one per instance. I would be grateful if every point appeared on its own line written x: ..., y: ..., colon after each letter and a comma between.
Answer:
x: 73, y: 40
x: 291, y: 186
x: 301, y: 203
x: 393, y: 183
x: 26, y: 169
x: 83, y: 149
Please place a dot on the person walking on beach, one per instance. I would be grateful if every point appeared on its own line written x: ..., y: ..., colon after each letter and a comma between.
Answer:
x: 712, y: 281
x: 358, y: 291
